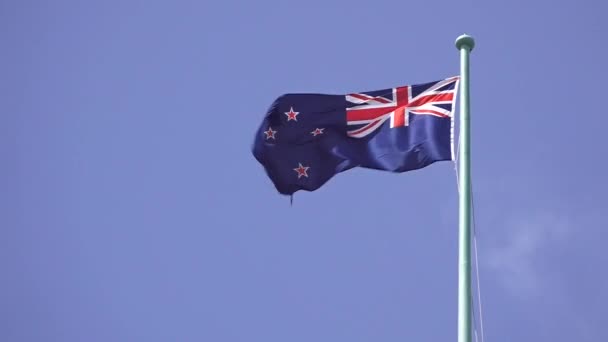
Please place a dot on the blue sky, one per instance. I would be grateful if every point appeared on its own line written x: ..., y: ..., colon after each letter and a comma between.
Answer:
x: 133, y: 210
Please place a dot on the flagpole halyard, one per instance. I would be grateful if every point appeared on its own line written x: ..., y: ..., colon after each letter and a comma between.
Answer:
x: 465, y: 45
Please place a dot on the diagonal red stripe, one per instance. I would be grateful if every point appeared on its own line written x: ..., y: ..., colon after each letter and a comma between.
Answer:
x: 366, y: 127
x: 369, y: 98
x: 430, y: 112
x: 431, y: 98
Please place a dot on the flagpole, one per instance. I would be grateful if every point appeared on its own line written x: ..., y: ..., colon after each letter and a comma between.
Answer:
x: 465, y: 45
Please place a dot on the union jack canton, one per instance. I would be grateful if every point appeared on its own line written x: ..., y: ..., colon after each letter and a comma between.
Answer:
x: 370, y: 110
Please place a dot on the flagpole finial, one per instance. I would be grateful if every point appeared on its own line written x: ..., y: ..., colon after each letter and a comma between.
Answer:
x: 465, y: 41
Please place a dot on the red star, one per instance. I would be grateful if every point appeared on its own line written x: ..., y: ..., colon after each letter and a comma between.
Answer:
x: 317, y: 131
x: 291, y: 115
x: 270, y: 133
x: 301, y: 170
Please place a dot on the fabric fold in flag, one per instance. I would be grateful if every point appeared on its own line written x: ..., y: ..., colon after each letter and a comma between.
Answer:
x: 306, y: 139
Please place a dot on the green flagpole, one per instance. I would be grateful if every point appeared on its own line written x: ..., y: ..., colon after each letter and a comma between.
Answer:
x: 465, y: 45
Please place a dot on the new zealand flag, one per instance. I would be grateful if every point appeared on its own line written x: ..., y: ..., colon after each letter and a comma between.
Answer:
x: 306, y: 139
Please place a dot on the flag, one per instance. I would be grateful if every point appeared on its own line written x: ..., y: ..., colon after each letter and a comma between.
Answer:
x: 305, y: 139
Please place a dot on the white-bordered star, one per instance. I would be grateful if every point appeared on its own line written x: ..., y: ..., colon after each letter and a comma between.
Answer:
x: 270, y: 133
x: 291, y: 115
x: 317, y: 131
x: 301, y: 170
